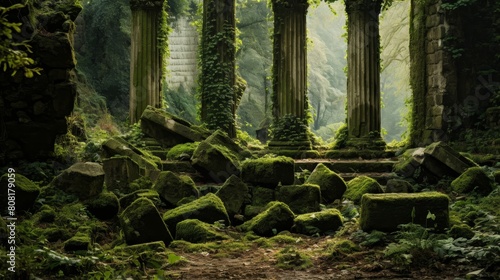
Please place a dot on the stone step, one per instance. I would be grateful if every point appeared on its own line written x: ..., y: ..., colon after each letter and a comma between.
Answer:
x: 381, y: 178
x: 347, y: 166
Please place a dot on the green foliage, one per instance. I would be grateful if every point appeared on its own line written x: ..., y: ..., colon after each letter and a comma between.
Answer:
x: 371, y: 239
x: 181, y: 102
x: 451, y: 5
x: 13, y: 54
x: 341, y: 136
x: 290, y: 128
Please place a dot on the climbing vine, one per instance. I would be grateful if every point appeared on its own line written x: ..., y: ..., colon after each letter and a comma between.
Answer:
x: 218, y: 87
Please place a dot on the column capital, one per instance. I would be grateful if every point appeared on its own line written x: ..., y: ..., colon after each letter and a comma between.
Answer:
x: 363, y: 5
x: 290, y: 4
x: 146, y: 4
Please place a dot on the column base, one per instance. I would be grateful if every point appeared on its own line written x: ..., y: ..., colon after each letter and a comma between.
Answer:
x: 366, y: 143
x: 293, y: 149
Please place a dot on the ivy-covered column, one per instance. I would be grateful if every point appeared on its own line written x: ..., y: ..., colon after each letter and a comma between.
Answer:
x: 289, y: 98
x: 218, y: 80
x: 146, y: 60
x: 363, y: 76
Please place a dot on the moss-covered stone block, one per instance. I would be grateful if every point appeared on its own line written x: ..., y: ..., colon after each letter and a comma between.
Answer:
x: 221, y: 138
x: 104, y: 207
x: 461, y: 230
x: 152, y: 195
x: 196, y: 231
x: 234, y: 193
x: 208, y: 209
x: 53, y: 234
x: 473, y: 179
x: 300, y: 198
x: 358, y: 186
x: 262, y: 196
x: 384, y: 212
x: 84, y: 180
x: 252, y: 211
x: 119, y: 146
x: 269, y: 171
x: 398, y: 186
x: 167, y: 129
x: 215, y: 162
x: 442, y: 160
x: 119, y: 172
x: 46, y: 214
x: 275, y: 218
x: 19, y: 187
x: 79, y: 242
x: 182, y: 151
x: 172, y: 188
x: 141, y: 223
x: 331, y: 184
x: 155, y: 246
x: 325, y: 221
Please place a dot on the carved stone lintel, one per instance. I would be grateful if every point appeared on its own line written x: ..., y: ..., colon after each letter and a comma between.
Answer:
x: 363, y: 5
x: 146, y: 4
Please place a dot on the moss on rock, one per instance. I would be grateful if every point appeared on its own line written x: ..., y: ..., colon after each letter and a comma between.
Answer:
x: 84, y: 180
x: 358, y: 186
x: 331, y: 184
x: 215, y: 162
x: 196, y: 231
x: 152, y: 195
x: 54, y: 234
x: 275, y: 218
x: 172, y: 188
x: 269, y: 171
x: 384, y: 212
x: 47, y: 214
x: 79, y: 242
x: 328, y: 220
x: 262, y: 196
x: 461, y: 230
x: 208, y: 208
x: 234, y: 193
x: 104, y: 207
x: 300, y: 198
x: 26, y: 192
x: 141, y: 223
x: 473, y: 179
x: 182, y: 150
x: 220, y: 138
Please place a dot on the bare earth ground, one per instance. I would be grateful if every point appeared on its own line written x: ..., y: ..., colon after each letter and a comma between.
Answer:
x: 260, y: 263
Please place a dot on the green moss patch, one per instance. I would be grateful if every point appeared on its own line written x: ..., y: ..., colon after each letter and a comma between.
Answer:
x: 326, y: 221
x: 300, y: 198
x: 384, y: 212
x: 269, y: 171
x: 152, y: 195
x: 461, y: 230
x: 290, y: 258
x: 331, y: 184
x: 275, y: 218
x: 182, y: 150
x: 196, y: 231
x: 361, y: 185
x: 473, y: 179
x: 234, y: 193
x: 105, y: 206
x: 79, y: 242
x: 208, y: 209
x: 172, y: 188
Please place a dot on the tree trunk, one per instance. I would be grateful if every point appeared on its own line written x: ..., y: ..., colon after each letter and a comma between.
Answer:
x: 146, y: 63
x: 218, y: 79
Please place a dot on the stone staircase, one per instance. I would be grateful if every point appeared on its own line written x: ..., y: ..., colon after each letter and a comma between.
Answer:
x: 378, y: 169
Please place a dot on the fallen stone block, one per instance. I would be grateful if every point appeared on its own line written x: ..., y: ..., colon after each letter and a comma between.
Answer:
x: 275, y: 218
x: 473, y: 179
x: 361, y: 185
x: 141, y: 223
x: 172, y: 188
x: 300, y: 198
x: 167, y: 129
x: 215, y: 162
x: 208, y: 209
x: 442, y: 160
x: 119, y: 172
x: 84, y: 180
x: 23, y: 189
x: 325, y: 221
x: 234, y: 194
x: 331, y: 184
x: 196, y: 231
x: 384, y: 212
x: 269, y: 172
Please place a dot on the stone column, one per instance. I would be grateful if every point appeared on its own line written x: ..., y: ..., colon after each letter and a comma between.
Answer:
x: 146, y: 61
x: 289, y: 98
x: 218, y: 78
x: 363, y: 76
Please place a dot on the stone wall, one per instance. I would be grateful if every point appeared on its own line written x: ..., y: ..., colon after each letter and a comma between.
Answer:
x: 182, y: 65
x: 33, y: 110
x: 460, y: 76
